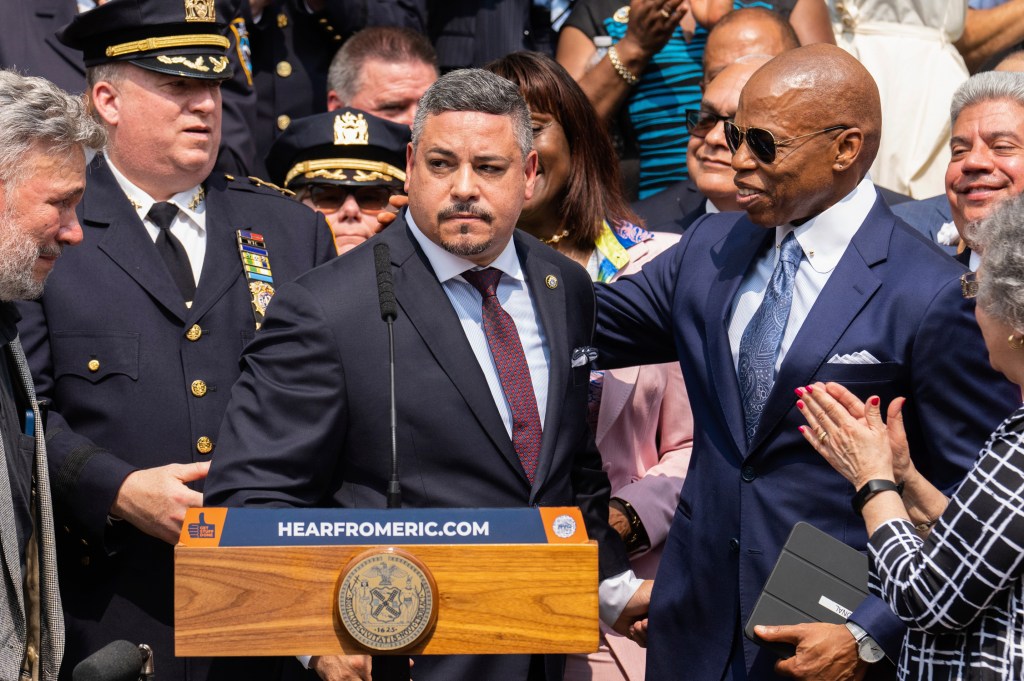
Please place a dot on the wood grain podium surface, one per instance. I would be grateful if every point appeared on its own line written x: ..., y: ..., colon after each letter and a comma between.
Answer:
x: 281, y: 600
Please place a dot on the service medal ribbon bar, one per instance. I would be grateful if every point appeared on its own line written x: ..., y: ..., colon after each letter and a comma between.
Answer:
x: 256, y: 264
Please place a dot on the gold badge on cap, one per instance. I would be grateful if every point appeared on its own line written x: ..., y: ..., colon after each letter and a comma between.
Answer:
x: 200, y: 10
x: 551, y: 281
x: 350, y: 128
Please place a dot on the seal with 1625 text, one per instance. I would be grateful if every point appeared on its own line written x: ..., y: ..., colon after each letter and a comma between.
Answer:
x: 387, y: 599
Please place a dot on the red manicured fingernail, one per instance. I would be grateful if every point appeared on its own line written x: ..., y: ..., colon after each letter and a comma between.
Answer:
x: 810, y: 389
x: 800, y: 404
x: 799, y: 392
x: 802, y: 429
x: 874, y: 401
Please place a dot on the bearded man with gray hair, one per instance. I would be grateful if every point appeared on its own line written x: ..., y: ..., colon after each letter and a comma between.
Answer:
x: 43, y: 136
x: 472, y: 434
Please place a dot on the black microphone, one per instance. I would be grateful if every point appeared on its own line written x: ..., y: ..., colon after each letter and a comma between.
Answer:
x: 385, y: 282
x: 389, y: 312
x: 117, y: 661
x: 390, y: 668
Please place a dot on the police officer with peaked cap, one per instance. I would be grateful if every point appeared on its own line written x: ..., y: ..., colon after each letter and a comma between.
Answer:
x: 346, y: 164
x: 137, y: 338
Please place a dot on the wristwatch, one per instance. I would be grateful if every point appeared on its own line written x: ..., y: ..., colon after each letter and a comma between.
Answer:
x: 867, y: 649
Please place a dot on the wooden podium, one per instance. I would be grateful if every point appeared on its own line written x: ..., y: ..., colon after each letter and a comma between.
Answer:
x: 269, y: 581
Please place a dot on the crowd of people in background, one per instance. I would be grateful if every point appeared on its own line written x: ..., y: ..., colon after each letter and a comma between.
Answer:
x: 624, y: 233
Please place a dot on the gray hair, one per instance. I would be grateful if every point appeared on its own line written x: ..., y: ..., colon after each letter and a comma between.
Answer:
x: 36, y: 113
x: 476, y: 90
x: 1001, y: 287
x: 391, y: 44
x: 987, y: 86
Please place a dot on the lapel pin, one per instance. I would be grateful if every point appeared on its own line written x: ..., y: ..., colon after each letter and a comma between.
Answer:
x: 551, y: 281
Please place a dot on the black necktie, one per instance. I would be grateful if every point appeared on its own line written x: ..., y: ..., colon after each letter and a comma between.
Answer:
x: 171, y: 250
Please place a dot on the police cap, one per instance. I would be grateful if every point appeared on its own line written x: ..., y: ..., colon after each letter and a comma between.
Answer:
x: 177, y: 37
x: 345, y: 146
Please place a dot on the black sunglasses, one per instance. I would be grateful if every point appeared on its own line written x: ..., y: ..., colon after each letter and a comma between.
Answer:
x: 762, y: 143
x: 701, y: 122
x: 329, y: 198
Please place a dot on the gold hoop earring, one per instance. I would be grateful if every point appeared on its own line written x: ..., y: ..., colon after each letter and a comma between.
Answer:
x: 1015, y: 343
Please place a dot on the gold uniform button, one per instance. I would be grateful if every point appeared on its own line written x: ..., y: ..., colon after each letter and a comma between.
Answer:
x: 198, y: 388
x: 283, y: 121
x: 94, y: 365
x: 194, y: 333
x: 284, y: 69
x: 204, y: 445
x: 282, y: 20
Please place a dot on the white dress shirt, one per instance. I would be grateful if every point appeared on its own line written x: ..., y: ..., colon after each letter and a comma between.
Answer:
x: 189, y: 225
x: 823, y: 239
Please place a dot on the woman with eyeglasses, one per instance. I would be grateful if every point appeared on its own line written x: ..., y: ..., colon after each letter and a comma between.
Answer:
x: 952, y: 569
x: 640, y: 415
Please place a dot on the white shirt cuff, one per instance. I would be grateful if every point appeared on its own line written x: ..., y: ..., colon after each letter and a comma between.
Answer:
x: 304, y: 660
x: 614, y: 593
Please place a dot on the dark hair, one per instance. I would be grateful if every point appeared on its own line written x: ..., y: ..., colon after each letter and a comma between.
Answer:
x: 384, y: 43
x: 593, y: 191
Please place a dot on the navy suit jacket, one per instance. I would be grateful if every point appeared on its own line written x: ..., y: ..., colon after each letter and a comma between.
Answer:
x: 892, y: 295
x: 112, y: 300
x: 308, y: 421
x: 927, y: 216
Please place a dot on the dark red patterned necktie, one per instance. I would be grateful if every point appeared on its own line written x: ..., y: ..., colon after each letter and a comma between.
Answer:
x: 513, y: 370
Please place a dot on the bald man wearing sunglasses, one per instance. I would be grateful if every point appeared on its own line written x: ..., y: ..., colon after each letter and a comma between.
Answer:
x: 817, y: 281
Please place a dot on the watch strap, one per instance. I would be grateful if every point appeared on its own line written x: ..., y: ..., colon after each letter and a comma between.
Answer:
x: 870, y: 489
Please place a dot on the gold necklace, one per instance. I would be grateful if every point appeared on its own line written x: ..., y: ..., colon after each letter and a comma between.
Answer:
x: 556, y: 238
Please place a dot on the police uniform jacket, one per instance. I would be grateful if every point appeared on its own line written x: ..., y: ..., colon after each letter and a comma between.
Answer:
x: 137, y: 380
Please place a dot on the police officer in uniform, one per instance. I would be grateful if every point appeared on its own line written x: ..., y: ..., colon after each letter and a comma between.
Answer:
x: 136, y: 339
x: 346, y: 164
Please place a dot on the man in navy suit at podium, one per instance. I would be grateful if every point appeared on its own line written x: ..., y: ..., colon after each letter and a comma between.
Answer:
x: 492, y: 348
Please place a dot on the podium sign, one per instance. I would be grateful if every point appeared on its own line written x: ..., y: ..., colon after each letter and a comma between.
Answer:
x: 407, y: 581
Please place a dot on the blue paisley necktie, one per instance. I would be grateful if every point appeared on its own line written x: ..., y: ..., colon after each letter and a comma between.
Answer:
x: 759, y: 345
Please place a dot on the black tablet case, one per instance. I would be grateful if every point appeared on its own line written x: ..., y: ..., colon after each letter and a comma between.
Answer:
x: 813, y: 570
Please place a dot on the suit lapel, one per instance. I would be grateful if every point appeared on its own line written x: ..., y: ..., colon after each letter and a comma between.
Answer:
x: 737, y: 251
x: 222, y: 265
x: 550, y: 306
x: 850, y: 287
x: 8, y: 530
x: 425, y: 304
x: 126, y: 241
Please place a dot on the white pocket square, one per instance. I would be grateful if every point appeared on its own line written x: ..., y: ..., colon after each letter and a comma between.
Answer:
x: 581, y: 357
x: 862, y: 357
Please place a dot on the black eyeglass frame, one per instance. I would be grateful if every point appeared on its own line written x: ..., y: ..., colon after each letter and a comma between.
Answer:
x: 765, y: 151
x: 699, y: 118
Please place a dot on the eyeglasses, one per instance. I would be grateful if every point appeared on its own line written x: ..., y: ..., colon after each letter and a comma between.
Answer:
x: 329, y: 198
x: 701, y: 122
x: 969, y: 284
x: 762, y: 143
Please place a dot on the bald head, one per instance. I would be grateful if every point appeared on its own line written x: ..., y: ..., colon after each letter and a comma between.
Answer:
x: 743, y: 32
x: 821, y: 151
x: 808, y: 81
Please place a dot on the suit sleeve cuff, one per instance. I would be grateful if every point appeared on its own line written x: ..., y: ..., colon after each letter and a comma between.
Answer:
x: 881, y: 624
x: 614, y: 593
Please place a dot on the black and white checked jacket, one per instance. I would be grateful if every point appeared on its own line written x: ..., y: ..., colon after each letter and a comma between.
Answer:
x: 961, y: 591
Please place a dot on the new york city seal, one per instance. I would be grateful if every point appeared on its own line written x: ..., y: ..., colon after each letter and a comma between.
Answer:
x: 387, y: 600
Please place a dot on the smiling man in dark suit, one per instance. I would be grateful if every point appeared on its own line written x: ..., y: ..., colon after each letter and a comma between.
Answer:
x: 817, y: 282
x: 491, y: 407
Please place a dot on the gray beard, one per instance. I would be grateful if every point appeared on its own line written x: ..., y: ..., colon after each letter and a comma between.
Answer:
x: 18, y: 255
